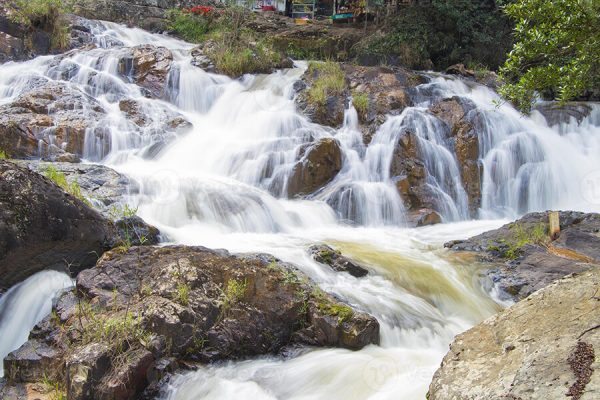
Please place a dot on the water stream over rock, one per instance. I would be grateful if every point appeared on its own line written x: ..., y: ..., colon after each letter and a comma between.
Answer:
x: 214, y: 159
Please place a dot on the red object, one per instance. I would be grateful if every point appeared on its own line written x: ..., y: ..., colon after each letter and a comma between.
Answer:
x: 198, y: 10
x: 268, y: 8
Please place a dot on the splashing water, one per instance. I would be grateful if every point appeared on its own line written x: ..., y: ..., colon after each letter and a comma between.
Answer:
x: 223, y: 184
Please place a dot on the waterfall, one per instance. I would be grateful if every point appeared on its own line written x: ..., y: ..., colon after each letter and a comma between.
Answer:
x: 223, y: 181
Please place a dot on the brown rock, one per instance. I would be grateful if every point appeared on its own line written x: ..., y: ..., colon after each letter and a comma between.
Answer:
x: 319, y: 164
x: 148, y: 66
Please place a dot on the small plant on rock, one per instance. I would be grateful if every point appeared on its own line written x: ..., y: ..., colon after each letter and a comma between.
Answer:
x: 234, y: 292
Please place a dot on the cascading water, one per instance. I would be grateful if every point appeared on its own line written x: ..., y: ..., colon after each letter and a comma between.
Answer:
x: 223, y: 184
x: 24, y: 305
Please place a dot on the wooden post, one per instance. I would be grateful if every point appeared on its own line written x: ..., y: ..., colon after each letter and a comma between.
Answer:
x: 554, y: 220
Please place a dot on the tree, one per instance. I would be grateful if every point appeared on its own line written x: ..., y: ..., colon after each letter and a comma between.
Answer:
x: 556, y: 52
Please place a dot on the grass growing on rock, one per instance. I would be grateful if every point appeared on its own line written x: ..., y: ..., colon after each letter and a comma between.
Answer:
x: 47, y: 15
x: 234, y: 292
x: 60, y: 179
x: 511, y: 248
x: 3, y: 155
x: 55, y: 389
x: 183, y: 294
x: 119, y: 331
x: 330, y: 81
x: 360, y: 101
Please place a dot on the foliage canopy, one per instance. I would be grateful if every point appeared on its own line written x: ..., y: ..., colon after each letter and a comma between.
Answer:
x: 556, y: 52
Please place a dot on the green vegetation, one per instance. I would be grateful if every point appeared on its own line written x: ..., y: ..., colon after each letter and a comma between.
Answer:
x: 183, y: 294
x: 442, y: 33
x: 327, y: 307
x: 46, y: 15
x: 511, y: 248
x: 60, y: 179
x: 54, y: 388
x: 118, y: 329
x: 330, y: 81
x: 361, y: 102
x: 556, y: 54
x: 189, y: 26
x: 234, y: 292
x: 233, y: 49
x: 3, y: 155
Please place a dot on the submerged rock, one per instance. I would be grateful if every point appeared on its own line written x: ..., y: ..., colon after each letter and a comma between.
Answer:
x: 139, y: 308
x: 329, y: 256
x: 545, y: 347
x: 522, y: 258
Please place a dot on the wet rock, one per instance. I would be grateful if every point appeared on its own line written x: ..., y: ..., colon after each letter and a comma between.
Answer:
x: 464, y: 122
x: 409, y: 172
x: 49, y: 120
x: 428, y: 217
x: 12, y: 48
x: 318, y: 165
x: 556, y: 114
x: 148, y: 66
x: 544, y: 347
x: 43, y: 227
x: 101, y: 185
x: 327, y: 255
x: 191, y: 304
x: 521, y: 258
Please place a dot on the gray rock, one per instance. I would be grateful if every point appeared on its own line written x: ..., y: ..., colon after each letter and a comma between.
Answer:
x: 544, y: 347
x: 43, y: 227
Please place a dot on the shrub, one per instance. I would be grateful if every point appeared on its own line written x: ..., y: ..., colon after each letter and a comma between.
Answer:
x: 3, y: 155
x: 330, y: 81
x: 556, y: 51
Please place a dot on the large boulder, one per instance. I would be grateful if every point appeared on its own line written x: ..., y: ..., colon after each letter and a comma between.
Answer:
x: 522, y: 258
x: 545, y: 347
x: 319, y: 163
x: 464, y: 122
x: 146, y: 307
x: 42, y: 227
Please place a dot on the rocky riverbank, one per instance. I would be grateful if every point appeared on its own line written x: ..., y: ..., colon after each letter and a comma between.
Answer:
x: 545, y: 346
x: 522, y: 258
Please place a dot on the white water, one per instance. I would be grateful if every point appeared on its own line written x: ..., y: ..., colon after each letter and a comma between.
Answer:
x: 224, y: 185
x: 26, y: 304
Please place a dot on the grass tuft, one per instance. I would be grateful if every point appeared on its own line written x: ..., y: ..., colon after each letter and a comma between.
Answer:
x: 330, y: 81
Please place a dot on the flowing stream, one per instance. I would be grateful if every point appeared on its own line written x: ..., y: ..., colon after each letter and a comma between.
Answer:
x: 223, y: 184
